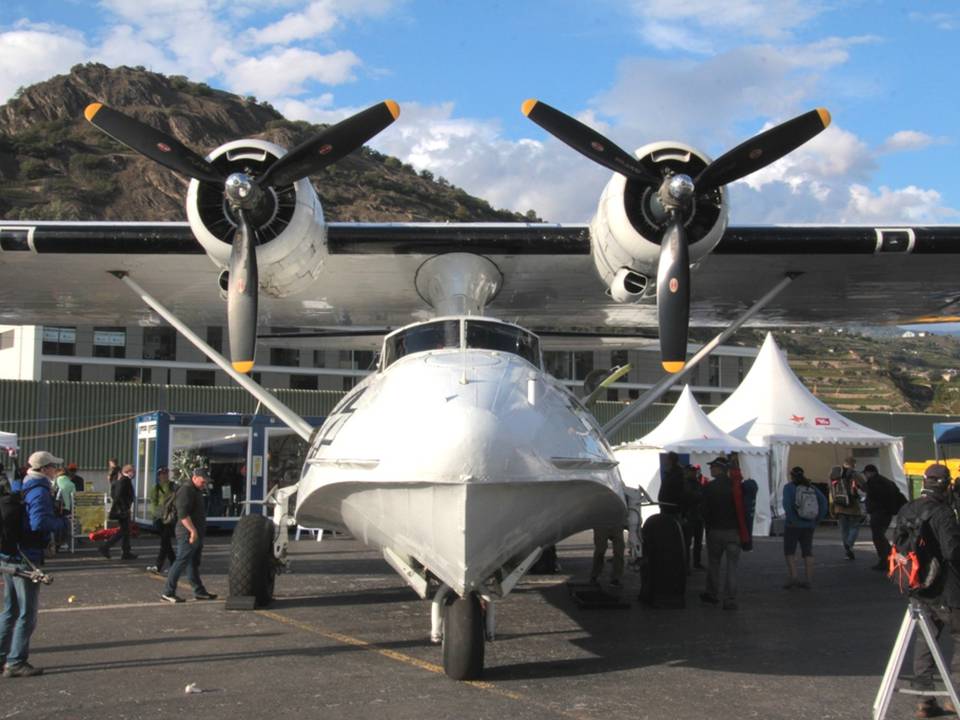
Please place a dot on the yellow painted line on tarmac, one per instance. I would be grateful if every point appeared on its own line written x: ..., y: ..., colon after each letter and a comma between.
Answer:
x: 412, y: 662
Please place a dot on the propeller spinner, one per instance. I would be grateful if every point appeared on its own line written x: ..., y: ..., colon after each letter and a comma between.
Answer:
x: 245, y: 194
x: 675, y: 196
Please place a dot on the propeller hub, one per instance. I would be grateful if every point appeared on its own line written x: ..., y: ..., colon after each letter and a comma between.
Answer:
x: 241, y: 190
x: 676, y: 192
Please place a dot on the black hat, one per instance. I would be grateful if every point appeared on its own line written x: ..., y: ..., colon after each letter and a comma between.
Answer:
x: 200, y: 472
x: 797, y: 471
x: 721, y: 461
x: 870, y: 468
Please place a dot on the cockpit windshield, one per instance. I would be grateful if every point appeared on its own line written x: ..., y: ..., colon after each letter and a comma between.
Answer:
x: 428, y: 336
x: 480, y: 334
x: 506, y: 338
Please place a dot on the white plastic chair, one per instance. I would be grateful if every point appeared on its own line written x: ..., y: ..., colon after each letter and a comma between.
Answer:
x: 317, y: 532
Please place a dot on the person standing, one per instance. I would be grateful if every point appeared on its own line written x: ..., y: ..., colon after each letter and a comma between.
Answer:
x: 21, y: 597
x: 845, y: 485
x: 941, y: 602
x: 121, y: 492
x: 724, y: 518
x: 158, y: 500
x: 190, y: 530
x: 601, y: 536
x: 804, y: 506
x: 884, y: 500
x: 78, y: 481
x: 676, y: 499
x: 63, y: 492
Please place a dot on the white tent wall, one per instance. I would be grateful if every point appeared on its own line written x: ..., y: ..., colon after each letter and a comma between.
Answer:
x: 640, y: 467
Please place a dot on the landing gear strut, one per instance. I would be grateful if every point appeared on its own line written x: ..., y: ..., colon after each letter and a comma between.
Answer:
x: 463, y: 637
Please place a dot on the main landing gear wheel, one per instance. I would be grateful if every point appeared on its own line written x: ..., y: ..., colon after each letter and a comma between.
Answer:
x: 463, y: 638
x: 252, y: 565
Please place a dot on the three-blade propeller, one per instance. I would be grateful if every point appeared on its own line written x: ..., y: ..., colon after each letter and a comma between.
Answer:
x: 676, y: 194
x: 244, y: 193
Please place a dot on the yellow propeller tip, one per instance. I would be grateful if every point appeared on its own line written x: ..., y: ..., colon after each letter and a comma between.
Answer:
x: 393, y: 108
x: 243, y: 367
x: 91, y: 110
x: 528, y: 106
x: 824, y: 116
x: 673, y: 366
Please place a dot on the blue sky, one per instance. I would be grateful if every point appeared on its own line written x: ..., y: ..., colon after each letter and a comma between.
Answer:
x: 710, y: 74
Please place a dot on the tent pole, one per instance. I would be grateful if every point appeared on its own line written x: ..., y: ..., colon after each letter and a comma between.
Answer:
x: 665, y: 384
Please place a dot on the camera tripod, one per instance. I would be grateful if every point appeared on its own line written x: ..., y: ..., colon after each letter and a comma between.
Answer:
x: 915, y: 615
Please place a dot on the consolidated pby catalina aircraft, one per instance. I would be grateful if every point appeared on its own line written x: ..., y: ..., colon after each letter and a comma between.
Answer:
x: 459, y: 458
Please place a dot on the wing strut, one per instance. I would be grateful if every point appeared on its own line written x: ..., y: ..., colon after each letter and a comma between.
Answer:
x: 296, y: 423
x: 668, y: 381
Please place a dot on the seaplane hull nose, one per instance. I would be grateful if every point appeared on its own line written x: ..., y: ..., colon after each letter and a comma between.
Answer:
x: 491, y: 463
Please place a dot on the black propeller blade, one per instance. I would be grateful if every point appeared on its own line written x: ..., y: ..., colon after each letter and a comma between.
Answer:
x: 587, y: 141
x: 151, y: 142
x: 242, y: 296
x: 673, y: 296
x: 762, y: 150
x: 330, y: 145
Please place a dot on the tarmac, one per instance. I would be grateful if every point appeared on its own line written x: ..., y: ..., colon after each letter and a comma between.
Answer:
x: 345, y: 638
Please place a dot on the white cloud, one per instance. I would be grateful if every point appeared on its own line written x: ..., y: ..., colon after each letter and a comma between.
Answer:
x: 906, y: 140
x: 318, y: 18
x: 33, y: 53
x: 285, y: 72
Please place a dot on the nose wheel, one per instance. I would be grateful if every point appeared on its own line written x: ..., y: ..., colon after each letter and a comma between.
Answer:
x: 463, y: 637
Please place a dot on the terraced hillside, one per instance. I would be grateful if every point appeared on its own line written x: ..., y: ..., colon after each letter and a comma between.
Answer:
x: 875, y: 370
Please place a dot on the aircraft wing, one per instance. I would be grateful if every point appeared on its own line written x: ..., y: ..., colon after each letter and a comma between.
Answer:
x: 57, y: 273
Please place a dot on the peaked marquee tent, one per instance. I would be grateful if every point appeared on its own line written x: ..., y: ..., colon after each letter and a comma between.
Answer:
x: 772, y: 409
x: 688, y: 431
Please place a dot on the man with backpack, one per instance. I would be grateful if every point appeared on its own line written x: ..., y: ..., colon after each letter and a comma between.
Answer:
x: 926, y: 562
x: 884, y: 500
x: 804, y: 506
x: 28, y: 521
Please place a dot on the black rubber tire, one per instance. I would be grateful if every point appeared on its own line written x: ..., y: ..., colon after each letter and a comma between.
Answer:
x: 463, y: 638
x: 252, y: 566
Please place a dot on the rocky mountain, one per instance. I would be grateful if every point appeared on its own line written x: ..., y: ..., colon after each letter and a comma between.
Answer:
x: 56, y: 166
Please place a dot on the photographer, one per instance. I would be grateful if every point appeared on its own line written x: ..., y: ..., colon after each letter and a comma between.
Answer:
x: 21, y: 596
x: 941, y: 600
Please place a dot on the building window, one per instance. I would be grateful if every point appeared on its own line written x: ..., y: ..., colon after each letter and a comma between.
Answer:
x: 364, y: 359
x: 613, y: 395
x: 303, y: 382
x: 285, y: 357
x: 7, y: 339
x: 159, y: 343
x: 215, y: 338
x: 109, y: 342
x: 318, y: 361
x: 633, y: 393
x: 59, y: 341
x: 558, y: 364
x: 207, y: 378
x: 619, y: 358
x: 348, y: 383
x: 713, y: 379
x: 75, y: 373
x: 131, y: 375
x: 582, y: 364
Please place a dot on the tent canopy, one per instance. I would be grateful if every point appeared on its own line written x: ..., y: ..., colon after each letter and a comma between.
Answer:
x: 772, y: 408
x: 946, y: 433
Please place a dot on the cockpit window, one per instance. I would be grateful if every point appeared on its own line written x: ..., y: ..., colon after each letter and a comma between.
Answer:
x: 506, y: 338
x: 429, y: 336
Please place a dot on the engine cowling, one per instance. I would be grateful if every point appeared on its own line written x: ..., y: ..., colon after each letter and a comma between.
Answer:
x: 289, y: 229
x: 625, y: 233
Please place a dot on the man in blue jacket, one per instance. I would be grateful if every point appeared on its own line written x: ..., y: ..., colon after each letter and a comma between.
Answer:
x: 21, y: 596
x: 801, y: 520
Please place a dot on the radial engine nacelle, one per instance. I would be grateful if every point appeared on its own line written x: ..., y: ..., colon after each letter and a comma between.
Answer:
x: 289, y: 230
x: 630, y: 220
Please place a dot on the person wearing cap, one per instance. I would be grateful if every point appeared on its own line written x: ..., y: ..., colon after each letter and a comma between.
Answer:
x: 158, y: 496
x: 724, y: 518
x: 121, y: 492
x: 884, y: 500
x: 78, y: 481
x: 798, y: 530
x: 21, y: 597
x: 190, y: 530
x: 943, y: 607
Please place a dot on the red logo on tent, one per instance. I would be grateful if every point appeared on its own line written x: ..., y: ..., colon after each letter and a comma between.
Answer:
x: 796, y: 418
x: 822, y: 421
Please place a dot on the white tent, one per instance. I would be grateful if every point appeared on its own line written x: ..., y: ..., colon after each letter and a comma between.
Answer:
x: 773, y: 409
x: 688, y: 431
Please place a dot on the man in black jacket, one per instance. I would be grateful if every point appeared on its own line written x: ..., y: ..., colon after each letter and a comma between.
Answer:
x: 942, y: 602
x: 121, y: 492
x: 884, y: 500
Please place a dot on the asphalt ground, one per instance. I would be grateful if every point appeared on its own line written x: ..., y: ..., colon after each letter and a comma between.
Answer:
x: 345, y: 638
